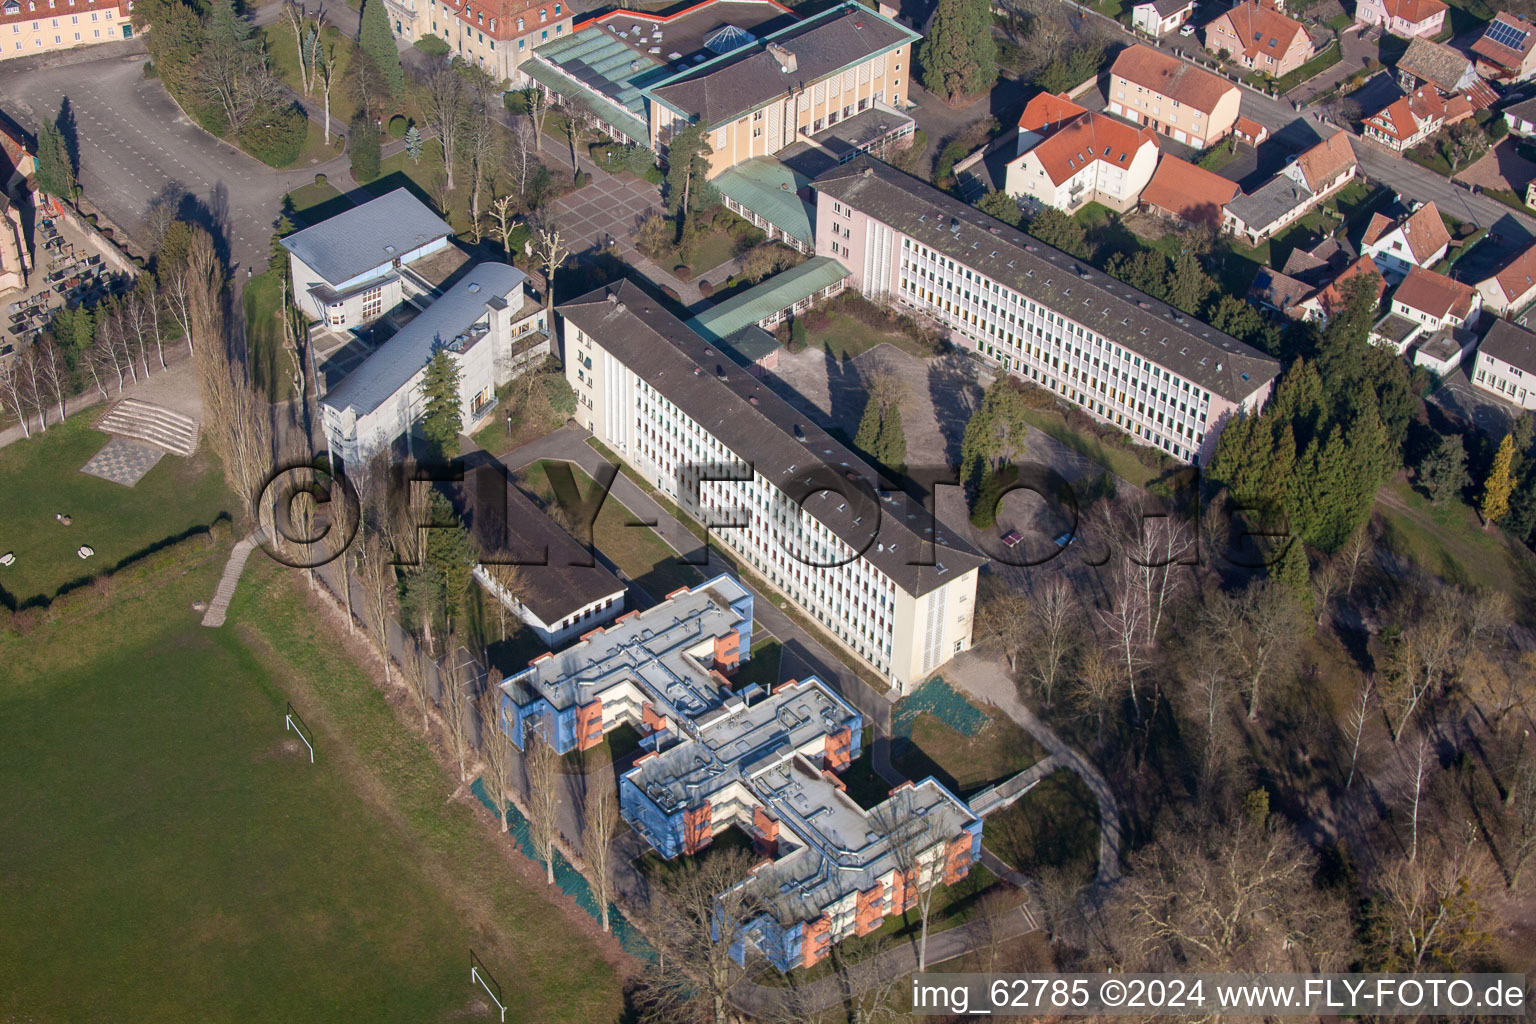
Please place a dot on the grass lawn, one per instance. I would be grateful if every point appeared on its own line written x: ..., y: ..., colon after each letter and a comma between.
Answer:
x: 1339, y: 22
x: 1449, y: 540
x: 762, y: 668
x: 317, y: 201
x: 1054, y: 825
x: 845, y: 338
x: 711, y: 251
x: 963, y: 763
x: 1218, y: 158
x: 421, y: 177
x: 1425, y: 155
x: 273, y: 369
x: 40, y: 477
x: 634, y: 548
x: 315, y: 150
x: 185, y: 862
x: 283, y: 52
x: 1117, y: 460
x: 1316, y: 66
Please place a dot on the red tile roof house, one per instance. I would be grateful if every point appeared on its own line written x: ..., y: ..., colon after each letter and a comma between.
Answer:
x: 1301, y: 185
x: 1187, y: 193
x: 1260, y: 39
x: 1406, y: 19
x: 1160, y: 17
x: 1433, y: 301
x: 1250, y: 131
x: 1069, y: 156
x: 1513, y: 288
x: 1507, y: 49
x: 1416, y: 117
x: 1417, y: 240
x: 1328, y: 300
x: 1172, y: 97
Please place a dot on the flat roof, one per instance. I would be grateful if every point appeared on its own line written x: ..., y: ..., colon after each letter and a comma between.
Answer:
x: 780, y: 291
x: 772, y: 190
x: 659, y: 648
x: 776, y: 440
x: 361, y: 239
x: 852, y: 134
x: 559, y: 575
x: 442, y: 324
x: 1199, y: 352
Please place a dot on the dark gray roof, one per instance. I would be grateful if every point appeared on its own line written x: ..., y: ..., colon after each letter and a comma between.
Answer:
x: 747, y: 78
x: 1271, y: 201
x: 1525, y: 109
x: 341, y: 247
x: 1165, y: 7
x: 1277, y: 290
x: 439, y: 325
x: 766, y: 432
x: 507, y: 525
x: 1514, y: 345
x: 1215, y: 361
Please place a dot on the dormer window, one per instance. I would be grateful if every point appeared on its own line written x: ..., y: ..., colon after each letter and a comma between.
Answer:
x: 543, y: 16
x: 519, y: 24
x: 557, y: 10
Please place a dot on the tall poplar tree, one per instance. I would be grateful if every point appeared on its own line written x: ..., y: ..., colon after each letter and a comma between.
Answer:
x: 1500, y: 482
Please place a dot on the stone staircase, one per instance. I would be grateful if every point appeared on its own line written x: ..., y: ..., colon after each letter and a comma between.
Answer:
x: 153, y: 424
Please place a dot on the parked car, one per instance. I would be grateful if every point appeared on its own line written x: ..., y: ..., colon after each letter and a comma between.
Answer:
x: 1187, y: 30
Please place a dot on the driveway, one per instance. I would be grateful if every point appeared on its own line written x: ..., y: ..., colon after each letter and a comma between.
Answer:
x: 1501, y: 167
x: 134, y: 140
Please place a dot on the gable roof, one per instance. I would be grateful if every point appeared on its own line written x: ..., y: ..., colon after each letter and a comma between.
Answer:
x: 356, y: 241
x: 1518, y: 277
x: 1191, y: 86
x: 1435, y: 63
x: 1164, y: 8
x: 1512, y: 344
x: 1435, y: 294
x: 1506, y: 41
x: 765, y: 431
x: 1325, y: 161
x: 1049, y: 111
x: 1415, y: 12
x: 1423, y: 230
x: 1188, y: 192
x: 1405, y: 118
x: 1331, y: 297
x: 1215, y: 361
x: 440, y: 325
x: 750, y: 76
x: 1086, y: 139
x: 1261, y: 30
x: 1277, y: 289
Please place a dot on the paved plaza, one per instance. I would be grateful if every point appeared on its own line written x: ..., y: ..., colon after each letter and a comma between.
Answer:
x: 123, y: 461
x: 610, y: 207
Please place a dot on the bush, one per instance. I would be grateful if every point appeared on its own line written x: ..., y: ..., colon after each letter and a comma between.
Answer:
x: 683, y: 272
x: 321, y: 179
x: 332, y: 32
x: 671, y: 294
x: 398, y: 126
x: 516, y: 102
x: 277, y: 137
x: 706, y: 289
x: 150, y: 71
x: 797, y: 334
x: 363, y: 142
x: 431, y: 45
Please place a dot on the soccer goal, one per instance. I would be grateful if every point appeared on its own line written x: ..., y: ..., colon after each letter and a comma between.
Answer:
x: 291, y: 720
x: 478, y: 975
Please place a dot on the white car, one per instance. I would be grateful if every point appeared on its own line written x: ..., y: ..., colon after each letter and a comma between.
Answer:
x: 1187, y: 30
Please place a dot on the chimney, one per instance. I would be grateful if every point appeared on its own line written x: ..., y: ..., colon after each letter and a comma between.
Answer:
x: 787, y: 63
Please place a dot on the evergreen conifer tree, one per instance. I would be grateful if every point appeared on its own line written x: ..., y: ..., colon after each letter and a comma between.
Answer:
x: 376, y: 41
x: 1497, y: 488
x: 958, y: 57
x: 443, y: 414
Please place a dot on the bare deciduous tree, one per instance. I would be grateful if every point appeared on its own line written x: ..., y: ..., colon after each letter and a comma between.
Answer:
x: 917, y: 852
x: 13, y: 394
x: 442, y: 102
x: 1056, y: 624
x: 551, y: 252
x: 505, y: 216
x: 699, y: 913
x: 456, y: 703
x: 545, y: 780
x: 599, y: 825
x: 496, y: 747
x: 1260, y: 628
x: 1359, y: 714
x: 1354, y: 554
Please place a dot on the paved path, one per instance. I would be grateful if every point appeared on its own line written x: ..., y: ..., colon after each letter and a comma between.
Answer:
x: 995, y: 798
x: 982, y: 677
x: 219, y: 606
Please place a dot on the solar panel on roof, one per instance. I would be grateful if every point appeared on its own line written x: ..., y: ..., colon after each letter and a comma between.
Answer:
x: 1506, y: 34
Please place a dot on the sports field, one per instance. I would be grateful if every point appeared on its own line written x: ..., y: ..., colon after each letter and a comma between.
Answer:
x: 170, y: 856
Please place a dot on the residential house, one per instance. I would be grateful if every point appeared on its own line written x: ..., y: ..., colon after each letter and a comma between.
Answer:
x: 494, y: 35
x: 1165, y: 379
x: 351, y: 269
x: 712, y: 438
x: 1445, y: 350
x: 1260, y: 38
x: 1507, y: 49
x: 1250, y: 131
x: 1280, y: 293
x: 1521, y: 117
x: 1433, y: 301
x: 1512, y: 288
x: 1426, y: 62
x: 1407, y: 19
x: 1172, y: 97
x: 557, y: 588
x: 1300, y: 186
x: 491, y: 328
x: 1415, y: 117
x: 1187, y: 193
x: 42, y: 26
x: 757, y: 77
x: 1419, y: 239
x: 1069, y: 156
x: 1506, y: 364
x: 1293, y: 291
x: 1321, y: 305
x: 1160, y: 17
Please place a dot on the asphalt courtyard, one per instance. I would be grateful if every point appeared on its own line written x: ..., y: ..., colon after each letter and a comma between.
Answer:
x: 134, y: 139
